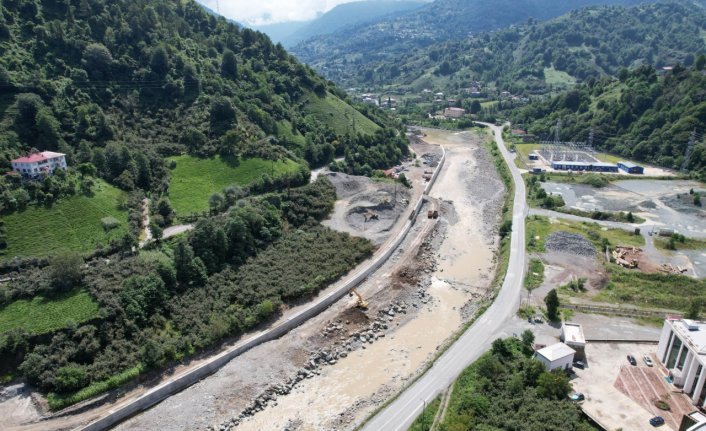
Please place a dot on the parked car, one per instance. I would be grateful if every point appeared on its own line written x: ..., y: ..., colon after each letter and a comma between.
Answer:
x: 648, y: 360
x: 657, y: 421
x: 579, y: 364
x: 578, y: 396
x: 632, y: 360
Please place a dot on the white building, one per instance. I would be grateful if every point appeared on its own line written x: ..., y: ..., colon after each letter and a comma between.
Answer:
x: 557, y: 356
x: 34, y: 164
x: 682, y: 351
x: 572, y: 336
x: 454, y: 112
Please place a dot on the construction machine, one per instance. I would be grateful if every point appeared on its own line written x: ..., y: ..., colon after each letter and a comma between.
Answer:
x: 362, y: 304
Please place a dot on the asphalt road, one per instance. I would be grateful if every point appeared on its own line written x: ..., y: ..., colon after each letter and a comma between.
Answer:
x: 402, y: 412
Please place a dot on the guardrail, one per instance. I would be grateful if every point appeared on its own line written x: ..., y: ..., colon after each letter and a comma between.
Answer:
x: 164, y: 390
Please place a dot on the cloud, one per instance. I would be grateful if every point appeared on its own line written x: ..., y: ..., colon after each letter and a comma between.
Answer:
x: 259, y: 12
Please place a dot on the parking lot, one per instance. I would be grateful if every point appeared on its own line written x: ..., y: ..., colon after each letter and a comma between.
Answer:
x: 619, y: 395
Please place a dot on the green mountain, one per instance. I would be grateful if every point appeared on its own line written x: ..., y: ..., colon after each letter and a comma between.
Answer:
x: 348, y: 15
x: 538, y: 57
x: 387, y: 41
x: 124, y: 84
x: 641, y: 116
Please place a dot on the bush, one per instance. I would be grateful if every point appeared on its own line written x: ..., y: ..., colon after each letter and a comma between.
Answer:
x: 109, y: 223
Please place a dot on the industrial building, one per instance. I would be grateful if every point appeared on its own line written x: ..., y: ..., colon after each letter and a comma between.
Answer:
x: 558, y: 356
x: 631, y: 168
x: 584, y: 166
x: 682, y: 351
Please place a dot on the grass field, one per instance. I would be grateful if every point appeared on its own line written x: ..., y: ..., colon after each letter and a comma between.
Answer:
x: 673, y: 292
x: 194, y: 180
x: 687, y: 244
x: 39, y: 315
x: 70, y: 224
x: 338, y: 115
x: 542, y: 227
x: 558, y: 77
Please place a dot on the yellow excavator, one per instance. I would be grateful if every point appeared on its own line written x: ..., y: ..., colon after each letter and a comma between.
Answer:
x: 362, y: 304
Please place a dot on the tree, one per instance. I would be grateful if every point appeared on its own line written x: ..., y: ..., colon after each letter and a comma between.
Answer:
x: 697, y: 199
x: 65, y: 270
x: 229, y: 65
x: 159, y: 62
x: 48, y: 136
x: 552, y: 301
x: 70, y: 378
x: 527, y: 338
x: 157, y: 231
x: 215, y: 202
x: 554, y: 385
x: 694, y: 309
x: 97, y: 58
x: 700, y: 62
x: 222, y: 115
x: 475, y: 107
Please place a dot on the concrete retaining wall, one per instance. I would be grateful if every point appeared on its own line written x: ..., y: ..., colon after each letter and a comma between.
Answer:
x: 163, y: 391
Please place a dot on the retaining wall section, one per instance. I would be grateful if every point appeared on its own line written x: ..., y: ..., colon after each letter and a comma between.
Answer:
x: 164, y: 390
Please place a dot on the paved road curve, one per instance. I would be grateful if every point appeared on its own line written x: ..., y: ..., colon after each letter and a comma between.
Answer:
x: 400, y: 414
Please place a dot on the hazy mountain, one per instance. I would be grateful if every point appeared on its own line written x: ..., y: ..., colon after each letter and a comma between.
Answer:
x: 350, y: 14
x: 390, y: 38
x: 279, y: 32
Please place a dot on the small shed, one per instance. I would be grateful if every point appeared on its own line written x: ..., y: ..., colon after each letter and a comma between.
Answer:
x: 557, y: 356
x: 572, y: 336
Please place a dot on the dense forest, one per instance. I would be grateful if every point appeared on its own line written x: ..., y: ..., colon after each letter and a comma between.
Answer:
x: 641, y: 115
x: 539, y: 56
x: 507, y: 389
x: 118, y: 86
x: 354, y: 56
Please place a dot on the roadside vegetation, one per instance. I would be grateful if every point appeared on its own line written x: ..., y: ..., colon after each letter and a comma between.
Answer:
x: 672, y: 292
x: 679, y: 242
x: 507, y: 389
x: 425, y: 420
x: 535, y: 274
x: 505, y: 229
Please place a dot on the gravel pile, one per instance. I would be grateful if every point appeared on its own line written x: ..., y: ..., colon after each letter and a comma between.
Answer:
x: 572, y: 243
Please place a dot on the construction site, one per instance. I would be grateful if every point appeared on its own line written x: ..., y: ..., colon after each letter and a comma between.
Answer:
x: 338, y: 367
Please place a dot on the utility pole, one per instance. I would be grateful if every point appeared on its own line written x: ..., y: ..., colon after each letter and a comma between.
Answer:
x: 557, y: 132
x: 689, y: 152
x: 590, y: 138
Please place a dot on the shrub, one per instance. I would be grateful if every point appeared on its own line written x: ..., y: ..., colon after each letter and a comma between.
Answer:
x: 109, y: 223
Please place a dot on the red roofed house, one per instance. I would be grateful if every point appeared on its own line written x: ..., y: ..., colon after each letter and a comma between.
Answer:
x: 38, y: 163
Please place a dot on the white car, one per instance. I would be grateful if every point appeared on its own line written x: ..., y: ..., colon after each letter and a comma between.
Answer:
x: 648, y: 360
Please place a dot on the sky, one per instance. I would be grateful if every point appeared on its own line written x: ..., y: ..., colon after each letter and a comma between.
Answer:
x: 259, y: 12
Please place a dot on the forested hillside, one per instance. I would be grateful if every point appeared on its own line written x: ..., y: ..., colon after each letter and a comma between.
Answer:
x: 538, y: 57
x: 389, y: 41
x: 135, y: 92
x: 640, y: 116
x: 122, y: 84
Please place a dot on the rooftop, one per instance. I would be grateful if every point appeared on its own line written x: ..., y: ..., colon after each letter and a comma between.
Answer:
x: 573, y: 333
x: 693, y: 333
x: 38, y: 157
x: 556, y: 351
x: 628, y: 164
x: 570, y: 163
